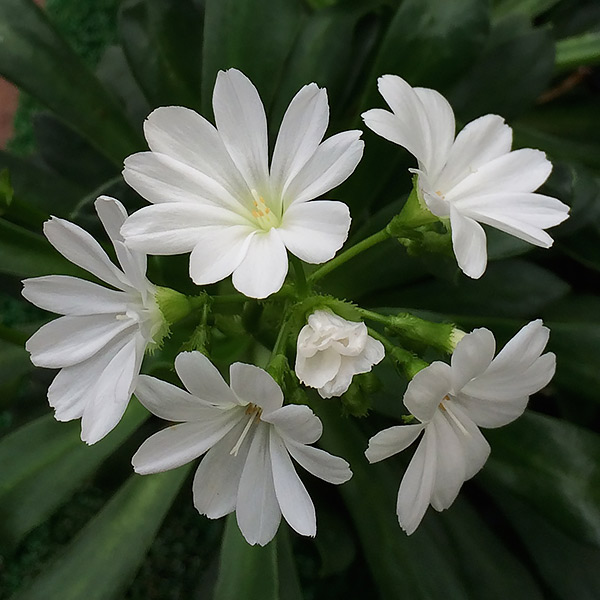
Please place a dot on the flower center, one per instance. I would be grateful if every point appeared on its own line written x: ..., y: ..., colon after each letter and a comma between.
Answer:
x: 253, y: 411
x: 264, y: 217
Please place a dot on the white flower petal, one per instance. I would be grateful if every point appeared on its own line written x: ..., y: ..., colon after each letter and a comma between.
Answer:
x: 112, y: 215
x: 263, y: 270
x: 450, y: 462
x: 72, y: 296
x: 390, y: 441
x: 315, y: 371
x: 203, y: 379
x: 331, y: 164
x: 478, y: 143
x: 294, y: 501
x: 80, y: 248
x: 242, y: 124
x: 469, y: 243
x: 219, y: 250
x: 70, y: 340
x: 301, y: 132
x: 254, y: 385
x: 427, y: 389
x: 296, y: 422
x: 518, y: 171
x: 492, y: 413
x: 111, y: 393
x: 319, y: 463
x: 134, y: 265
x: 472, y: 356
x: 315, y: 231
x: 217, y: 479
x: 170, y: 402
x: 182, y: 443
x: 257, y: 509
x: 417, y: 484
x: 341, y: 382
x: 523, y: 215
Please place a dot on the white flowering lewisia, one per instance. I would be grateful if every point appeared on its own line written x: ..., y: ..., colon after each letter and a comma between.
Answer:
x: 214, y: 194
x: 472, y: 179
x: 452, y: 402
x: 99, y: 343
x: 248, y: 438
x: 331, y: 350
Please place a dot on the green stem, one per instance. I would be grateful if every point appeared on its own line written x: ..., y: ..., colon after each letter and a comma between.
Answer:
x: 345, y: 256
x: 301, y: 283
x: 280, y: 342
x: 407, y: 361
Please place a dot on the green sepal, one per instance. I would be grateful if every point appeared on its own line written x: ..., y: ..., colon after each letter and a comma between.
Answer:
x: 173, y: 305
x: 357, y: 400
x: 414, y: 214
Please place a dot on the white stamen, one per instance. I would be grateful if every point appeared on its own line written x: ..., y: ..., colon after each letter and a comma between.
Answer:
x: 455, y: 419
x: 254, y: 412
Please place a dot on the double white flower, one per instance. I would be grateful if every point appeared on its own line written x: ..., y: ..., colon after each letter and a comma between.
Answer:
x: 248, y: 438
x: 472, y: 179
x: 214, y: 194
x: 331, y: 350
x: 452, y: 402
x: 100, y: 341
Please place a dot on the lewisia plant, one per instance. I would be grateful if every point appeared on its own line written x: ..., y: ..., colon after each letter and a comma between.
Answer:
x: 215, y: 193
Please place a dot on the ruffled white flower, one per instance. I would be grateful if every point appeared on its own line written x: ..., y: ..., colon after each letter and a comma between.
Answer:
x: 248, y: 438
x: 99, y: 343
x: 214, y: 194
x: 331, y: 350
x: 452, y: 402
x: 472, y: 179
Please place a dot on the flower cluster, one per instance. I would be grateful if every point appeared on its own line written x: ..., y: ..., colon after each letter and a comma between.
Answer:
x: 215, y: 193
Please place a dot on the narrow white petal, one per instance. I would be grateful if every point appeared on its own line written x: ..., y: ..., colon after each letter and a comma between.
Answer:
x: 472, y: 356
x: 417, y: 484
x: 301, y: 132
x: 110, y: 395
x: 315, y: 231
x: 296, y: 422
x: 469, y: 243
x: 203, y: 380
x: 70, y: 340
x: 170, y: 402
x: 263, y: 270
x: 518, y: 171
x: 219, y: 250
x: 492, y: 413
x: 524, y: 215
x: 294, y: 501
x: 450, y: 463
x: 390, y: 441
x: 257, y: 510
x: 182, y: 443
x: 217, y: 479
x: 112, y: 215
x: 72, y: 296
x: 79, y: 247
x: 427, y: 389
x: 134, y: 264
x: 319, y: 463
x: 479, y: 142
x: 242, y: 124
x: 315, y: 371
x: 331, y: 164
x: 254, y: 385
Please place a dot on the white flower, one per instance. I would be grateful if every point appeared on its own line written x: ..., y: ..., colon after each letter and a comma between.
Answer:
x: 99, y: 344
x: 214, y: 194
x: 248, y: 438
x: 331, y: 350
x: 472, y: 179
x: 452, y: 402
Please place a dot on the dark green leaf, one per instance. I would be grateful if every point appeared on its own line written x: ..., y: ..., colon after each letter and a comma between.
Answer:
x: 528, y: 8
x: 577, y: 51
x: 100, y: 563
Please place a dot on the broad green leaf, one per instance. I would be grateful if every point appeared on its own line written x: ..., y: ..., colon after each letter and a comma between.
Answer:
x: 554, y: 467
x: 255, y: 36
x: 48, y: 464
x: 101, y: 561
x: 36, y: 58
x: 163, y: 45
x: 578, y: 51
x: 430, y: 43
x: 528, y: 8
x: 14, y: 364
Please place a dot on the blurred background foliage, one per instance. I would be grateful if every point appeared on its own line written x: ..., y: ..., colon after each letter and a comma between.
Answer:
x: 75, y: 523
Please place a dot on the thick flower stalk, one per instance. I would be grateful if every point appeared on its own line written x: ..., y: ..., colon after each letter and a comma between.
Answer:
x: 248, y: 437
x: 330, y: 350
x: 472, y: 179
x: 452, y: 402
x: 99, y: 343
x: 214, y: 193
